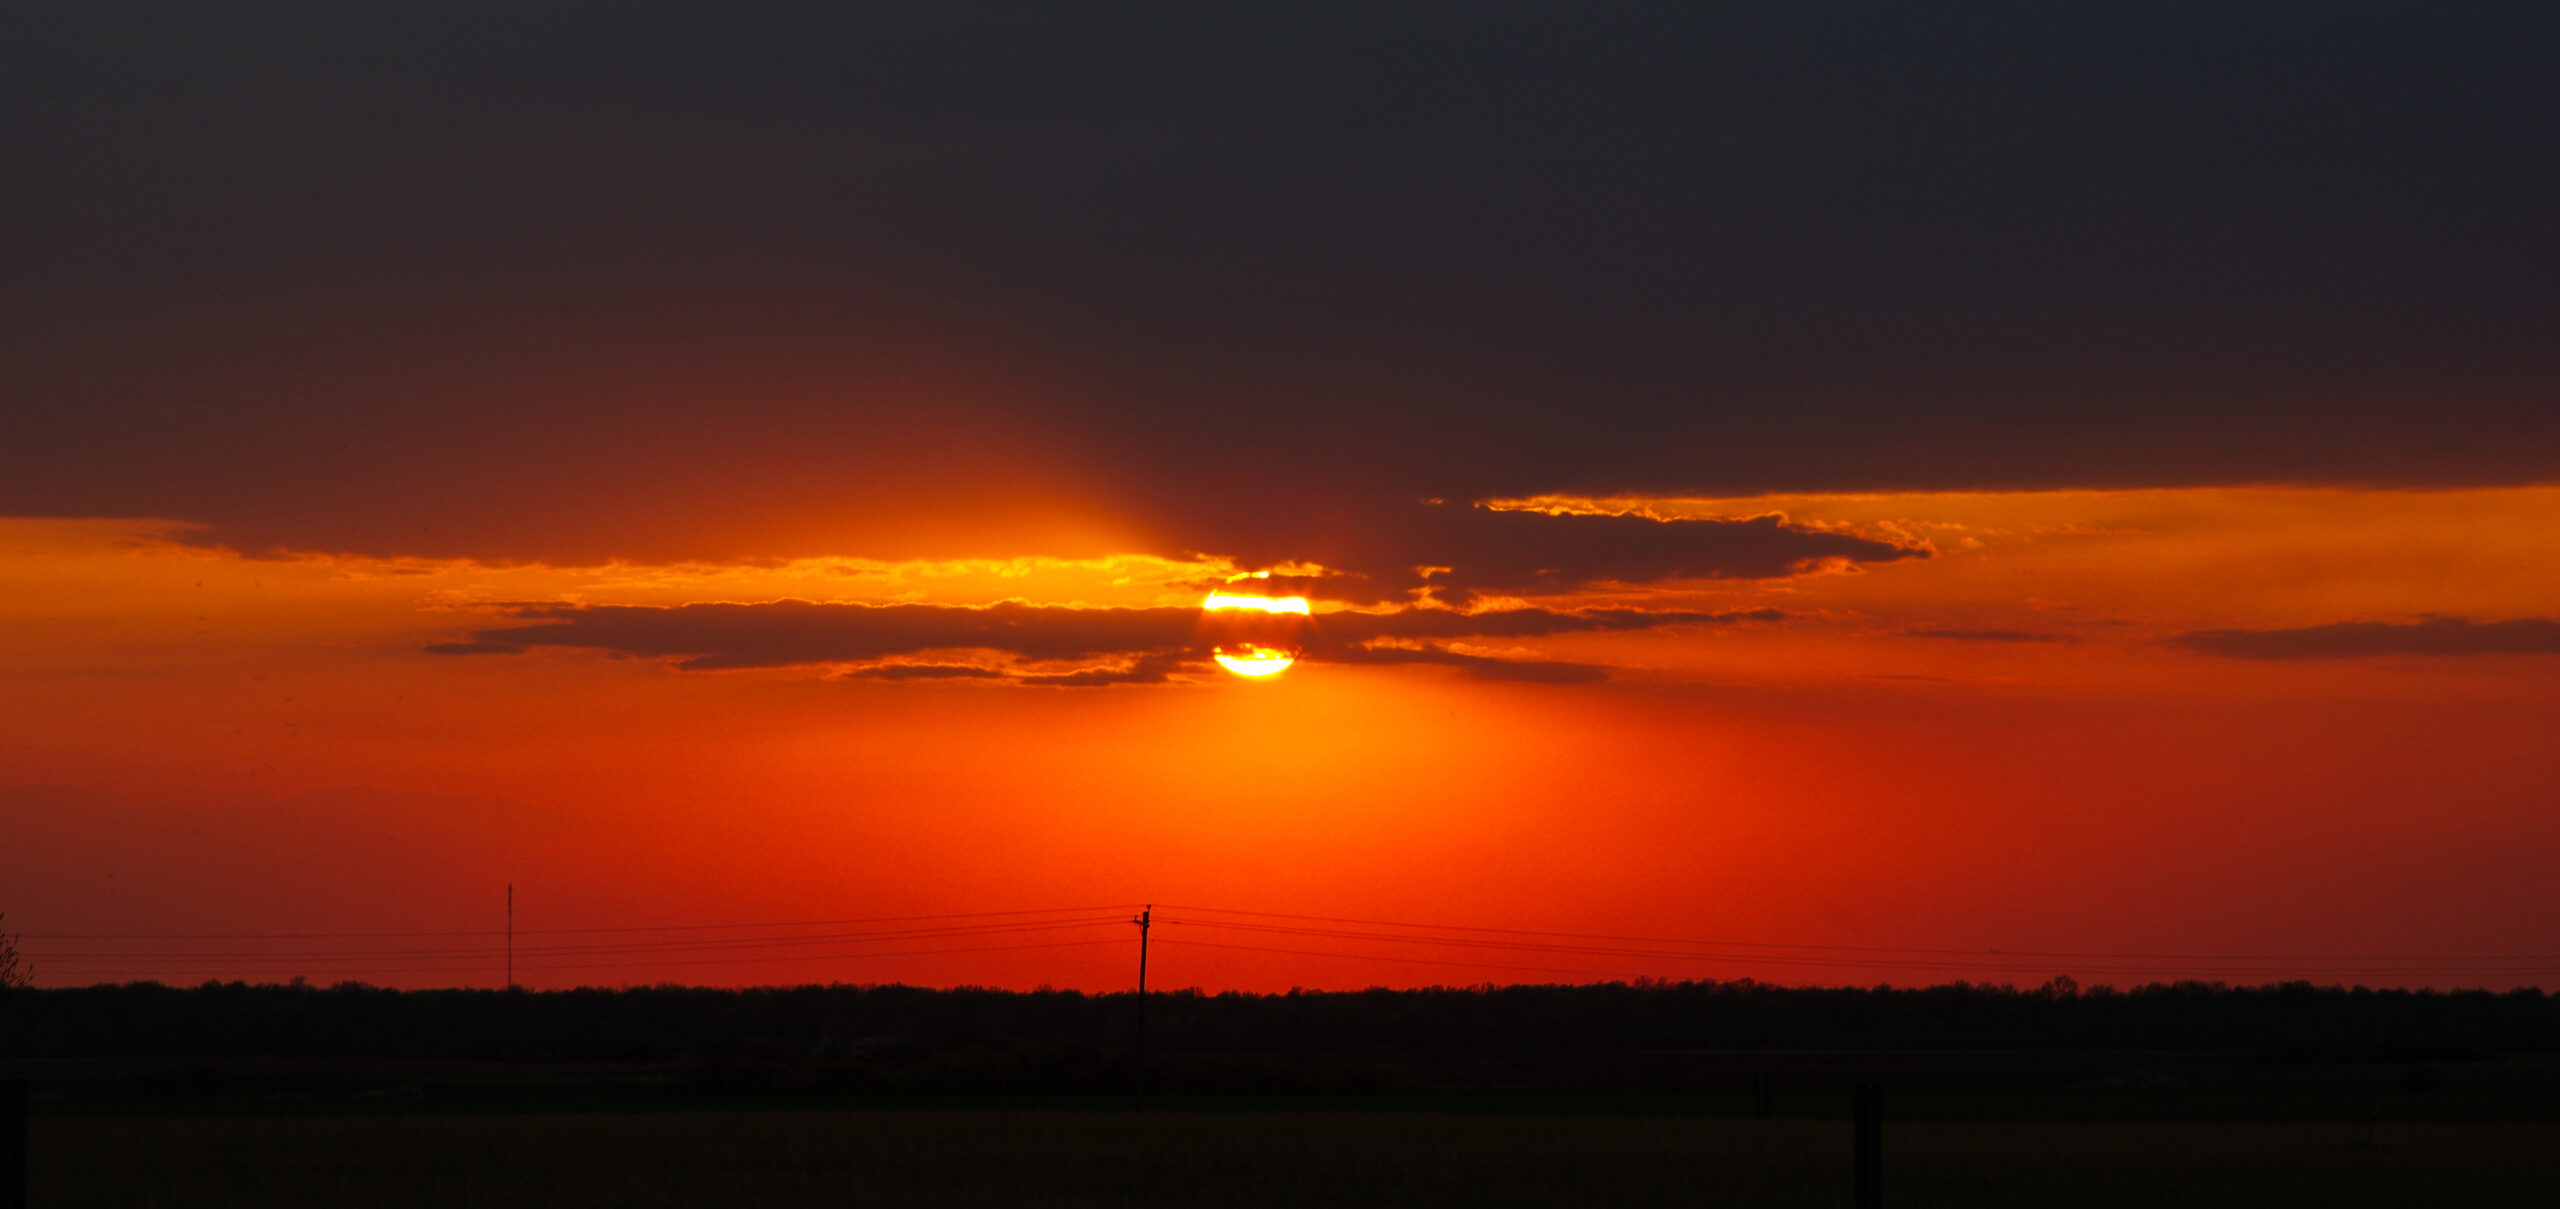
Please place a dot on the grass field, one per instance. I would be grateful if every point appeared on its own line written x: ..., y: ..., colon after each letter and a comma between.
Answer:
x: 1100, y: 1158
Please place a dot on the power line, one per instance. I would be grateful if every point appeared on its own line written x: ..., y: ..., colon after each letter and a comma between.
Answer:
x: 640, y: 947
x: 1770, y: 944
x: 805, y: 923
x: 862, y: 954
x: 1520, y: 932
x: 2340, y: 966
x: 1346, y: 938
x: 1424, y: 961
x: 597, y: 965
x: 705, y: 961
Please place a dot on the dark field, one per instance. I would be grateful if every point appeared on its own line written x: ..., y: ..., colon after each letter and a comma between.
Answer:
x: 1093, y: 1157
x: 1654, y: 1095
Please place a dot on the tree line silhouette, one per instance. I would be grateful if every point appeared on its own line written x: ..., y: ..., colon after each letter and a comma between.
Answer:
x: 901, y: 1038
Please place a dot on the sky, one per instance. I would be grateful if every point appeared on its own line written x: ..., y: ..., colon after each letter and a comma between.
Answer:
x: 1812, y: 494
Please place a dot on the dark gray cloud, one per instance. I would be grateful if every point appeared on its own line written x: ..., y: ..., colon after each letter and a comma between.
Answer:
x: 475, y: 648
x: 1154, y: 667
x: 1476, y: 550
x: 716, y: 637
x: 1970, y: 634
x: 1126, y: 646
x: 2445, y: 636
x: 1346, y: 629
x: 552, y: 282
x: 924, y: 671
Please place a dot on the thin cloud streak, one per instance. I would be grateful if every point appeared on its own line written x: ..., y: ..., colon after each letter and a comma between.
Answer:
x: 475, y: 648
x: 1965, y: 634
x: 2435, y: 636
x: 1477, y: 667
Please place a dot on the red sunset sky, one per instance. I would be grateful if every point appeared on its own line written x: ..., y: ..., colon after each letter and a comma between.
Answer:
x: 1813, y: 500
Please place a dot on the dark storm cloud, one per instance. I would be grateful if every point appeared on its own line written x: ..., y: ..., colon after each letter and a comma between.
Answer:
x: 1483, y: 550
x: 714, y: 637
x: 2349, y: 639
x: 557, y: 281
x: 1142, y: 646
x: 1356, y: 628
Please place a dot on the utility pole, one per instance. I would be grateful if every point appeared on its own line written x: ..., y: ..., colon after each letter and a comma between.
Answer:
x: 1867, y: 1148
x: 1145, y: 920
x: 511, y: 936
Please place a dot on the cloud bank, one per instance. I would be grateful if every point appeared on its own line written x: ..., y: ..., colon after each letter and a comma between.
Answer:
x: 1115, y: 645
x: 1248, y: 277
x: 1464, y: 552
x: 2436, y: 636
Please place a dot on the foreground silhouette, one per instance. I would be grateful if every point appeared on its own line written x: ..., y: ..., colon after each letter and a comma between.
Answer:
x: 1700, y: 1037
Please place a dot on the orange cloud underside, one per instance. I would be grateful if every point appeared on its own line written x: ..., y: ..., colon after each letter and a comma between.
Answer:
x: 1995, y: 747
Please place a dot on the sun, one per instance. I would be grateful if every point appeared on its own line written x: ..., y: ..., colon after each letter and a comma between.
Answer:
x: 1253, y: 634
x: 1247, y: 659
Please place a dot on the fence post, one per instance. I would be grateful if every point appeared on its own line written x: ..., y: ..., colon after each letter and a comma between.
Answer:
x: 1868, y: 1148
x: 13, y: 1144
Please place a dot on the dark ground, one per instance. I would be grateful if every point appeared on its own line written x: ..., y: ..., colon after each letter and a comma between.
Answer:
x: 1235, y: 1155
x: 1615, y: 1095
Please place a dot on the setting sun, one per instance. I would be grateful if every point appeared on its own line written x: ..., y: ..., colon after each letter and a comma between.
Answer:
x: 1254, y: 661
x: 1253, y: 636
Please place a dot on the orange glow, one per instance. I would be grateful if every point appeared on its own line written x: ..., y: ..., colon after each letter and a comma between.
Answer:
x: 2003, y: 745
x: 1262, y: 604
x: 1254, y: 661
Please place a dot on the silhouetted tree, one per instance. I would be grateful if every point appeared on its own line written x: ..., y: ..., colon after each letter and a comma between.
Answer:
x: 13, y: 973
